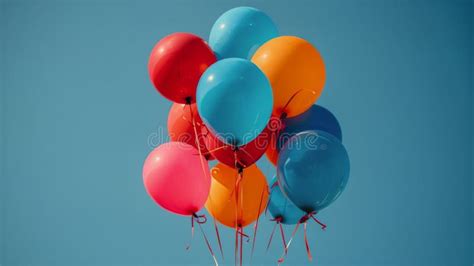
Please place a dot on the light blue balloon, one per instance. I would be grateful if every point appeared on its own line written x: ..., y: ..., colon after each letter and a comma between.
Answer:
x: 235, y: 100
x: 281, y: 207
x: 313, y: 169
x: 240, y: 31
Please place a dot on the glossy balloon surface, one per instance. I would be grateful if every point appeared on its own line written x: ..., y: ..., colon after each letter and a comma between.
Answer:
x: 234, y: 99
x: 313, y: 169
x: 252, y: 193
x: 180, y: 126
x: 176, y: 178
x: 315, y: 118
x: 240, y: 31
x: 176, y: 63
x: 281, y: 207
x: 245, y: 155
x: 296, y: 71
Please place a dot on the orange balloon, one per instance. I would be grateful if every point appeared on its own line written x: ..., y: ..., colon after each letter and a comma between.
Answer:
x: 237, y: 207
x: 296, y: 72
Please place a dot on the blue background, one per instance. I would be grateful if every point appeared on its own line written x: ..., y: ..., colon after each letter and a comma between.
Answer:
x: 78, y: 113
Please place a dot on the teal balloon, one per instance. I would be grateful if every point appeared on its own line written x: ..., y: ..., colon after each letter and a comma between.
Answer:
x: 240, y: 31
x: 313, y: 169
x: 235, y: 100
x: 281, y: 207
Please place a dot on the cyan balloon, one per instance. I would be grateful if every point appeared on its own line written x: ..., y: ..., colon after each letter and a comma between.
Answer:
x: 240, y: 31
x: 235, y: 100
x: 313, y: 169
x: 280, y: 207
x: 315, y: 118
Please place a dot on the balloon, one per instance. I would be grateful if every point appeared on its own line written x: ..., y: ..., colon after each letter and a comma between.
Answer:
x: 176, y: 64
x: 280, y: 207
x: 176, y: 178
x: 234, y: 99
x: 313, y: 169
x: 180, y: 126
x: 245, y: 155
x: 296, y: 71
x: 240, y: 31
x: 252, y: 193
x: 315, y: 118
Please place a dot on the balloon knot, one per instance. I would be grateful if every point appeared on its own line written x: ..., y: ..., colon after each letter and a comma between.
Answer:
x: 277, y: 219
x: 188, y: 100
x: 307, y: 216
x: 200, y: 219
x: 244, y: 235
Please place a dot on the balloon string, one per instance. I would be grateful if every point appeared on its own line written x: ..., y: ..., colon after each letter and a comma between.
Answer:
x: 218, y: 237
x: 200, y: 219
x: 308, y: 250
x: 245, y: 236
x: 277, y: 221
x: 285, y: 252
x: 239, y: 162
x: 311, y: 215
x: 208, y: 244
x: 303, y: 220
x: 323, y: 226
x: 283, y: 237
x: 238, y: 191
x: 246, y: 153
x: 237, y: 220
x: 188, y: 246
x: 187, y: 120
x: 241, y: 242
x: 270, y: 192
x: 241, y: 196
x: 197, y: 138
x: 241, y: 215
x: 271, y: 236
x: 217, y: 149
x: 283, y: 115
x: 239, y: 177
x: 255, y: 229
x: 236, y: 244
x: 236, y: 177
x: 209, y: 152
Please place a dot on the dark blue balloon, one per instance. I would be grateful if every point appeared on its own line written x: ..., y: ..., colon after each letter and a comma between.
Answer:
x: 313, y: 169
x: 315, y: 118
x: 280, y: 207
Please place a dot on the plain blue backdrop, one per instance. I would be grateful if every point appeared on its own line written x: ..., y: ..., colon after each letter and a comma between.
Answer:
x: 79, y: 116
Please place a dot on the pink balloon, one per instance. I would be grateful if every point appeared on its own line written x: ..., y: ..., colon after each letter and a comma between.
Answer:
x: 177, y: 178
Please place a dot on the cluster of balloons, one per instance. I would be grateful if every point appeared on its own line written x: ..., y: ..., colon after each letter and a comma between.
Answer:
x: 247, y: 92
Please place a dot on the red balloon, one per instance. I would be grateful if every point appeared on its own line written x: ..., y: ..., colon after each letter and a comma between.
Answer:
x: 247, y: 154
x: 176, y: 64
x: 180, y: 126
x: 272, y: 152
